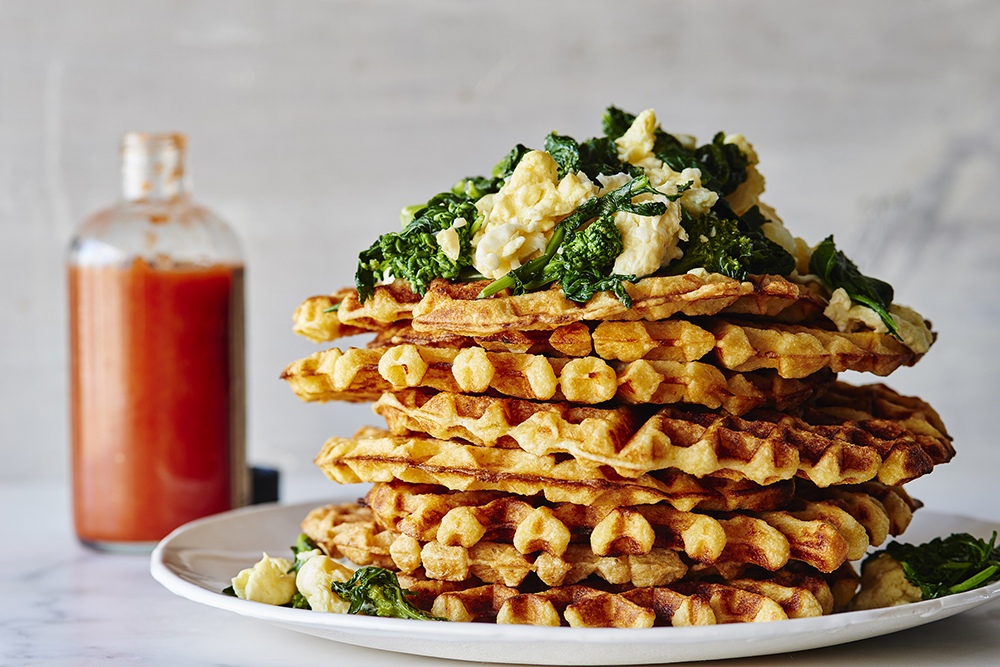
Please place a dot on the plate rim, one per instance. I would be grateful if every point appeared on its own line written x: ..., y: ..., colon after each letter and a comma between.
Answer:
x: 374, y: 627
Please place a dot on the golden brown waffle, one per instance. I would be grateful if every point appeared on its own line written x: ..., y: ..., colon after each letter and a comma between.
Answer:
x: 363, y: 375
x: 665, y: 340
x: 846, y: 435
x: 454, y: 308
x: 361, y: 540
x: 797, y: 351
x: 823, y: 533
x: 313, y: 321
x: 793, y: 351
x: 572, y: 340
x: 832, y: 441
x: 377, y: 456
x: 680, y: 604
x: 365, y: 542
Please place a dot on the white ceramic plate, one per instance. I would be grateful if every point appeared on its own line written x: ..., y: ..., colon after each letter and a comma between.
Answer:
x: 197, y: 561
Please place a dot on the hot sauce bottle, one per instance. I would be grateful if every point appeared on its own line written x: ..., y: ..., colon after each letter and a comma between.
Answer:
x: 157, y: 359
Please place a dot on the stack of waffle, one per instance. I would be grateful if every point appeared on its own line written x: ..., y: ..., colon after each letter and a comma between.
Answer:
x: 690, y: 460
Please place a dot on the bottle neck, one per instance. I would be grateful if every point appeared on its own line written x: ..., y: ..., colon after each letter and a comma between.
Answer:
x: 154, y: 167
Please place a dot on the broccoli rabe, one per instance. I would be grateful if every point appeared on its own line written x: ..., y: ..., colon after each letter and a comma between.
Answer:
x: 593, y: 157
x: 579, y: 259
x: 581, y: 252
x: 375, y: 591
x: 944, y: 566
x: 414, y: 253
x: 837, y: 271
x: 728, y: 245
x: 303, y: 544
x: 723, y: 166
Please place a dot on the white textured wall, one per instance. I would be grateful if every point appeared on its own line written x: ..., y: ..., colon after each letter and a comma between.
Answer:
x: 313, y: 122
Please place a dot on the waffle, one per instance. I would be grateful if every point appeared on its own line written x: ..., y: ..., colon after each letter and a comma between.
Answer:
x: 363, y: 375
x: 363, y: 541
x: 797, y: 351
x: 313, y: 319
x: 571, y: 340
x: 680, y: 604
x: 823, y: 533
x: 793, y: 351
x: 454, y: 308
x: 377, y: 456
x: 825, y: 443
x: 350, y: 532
x: 665, y: 340
x: 851, y: 435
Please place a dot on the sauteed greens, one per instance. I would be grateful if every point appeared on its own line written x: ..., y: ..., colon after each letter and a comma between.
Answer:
x: 439, y: 237
x: 944, y: 566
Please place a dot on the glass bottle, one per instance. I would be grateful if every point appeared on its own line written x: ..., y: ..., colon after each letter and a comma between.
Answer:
x: 157, y: 358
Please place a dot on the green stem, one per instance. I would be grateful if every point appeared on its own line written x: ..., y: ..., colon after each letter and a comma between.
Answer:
x: 973, y: 582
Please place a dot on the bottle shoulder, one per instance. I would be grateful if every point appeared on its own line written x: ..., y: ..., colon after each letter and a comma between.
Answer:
x: 182, y: 231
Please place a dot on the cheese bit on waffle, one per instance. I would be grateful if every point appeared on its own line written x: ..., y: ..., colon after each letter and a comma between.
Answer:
x: 830, y: 441
x: 377, y: 456
x: 797, y: 351
x: 455, y: 308
x: 363, y: 375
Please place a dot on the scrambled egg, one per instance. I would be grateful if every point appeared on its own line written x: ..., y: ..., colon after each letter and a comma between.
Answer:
x: 849, y: 316
x: 636, y: 148
x: 518, y: 220
x: 314, y: 579
x: 268, y: 581
x: 884, y: 584
x: 448, y: 239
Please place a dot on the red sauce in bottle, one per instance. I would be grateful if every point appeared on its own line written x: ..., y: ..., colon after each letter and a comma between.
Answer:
x: 157, y: 397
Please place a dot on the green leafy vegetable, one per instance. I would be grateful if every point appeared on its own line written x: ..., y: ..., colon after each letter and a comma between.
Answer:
x: 944, y: 566
x: 303, y: 544
x: 616, y: 122
x: 582, y: 250
x: 375, y: 591
x: 565, y: 151
x: 579, y: 255
x: 837, y: 271
x: 299, y: 601
x: 593, y: 157
x: 505, y: 167
x: 729, y: 246
x: 414, y: 253
x: 723, y: 166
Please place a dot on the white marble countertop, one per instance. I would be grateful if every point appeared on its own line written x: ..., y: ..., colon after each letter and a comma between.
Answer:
x: 64, y: 604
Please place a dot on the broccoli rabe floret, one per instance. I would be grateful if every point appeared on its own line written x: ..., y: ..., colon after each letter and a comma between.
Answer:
x: 726, y: 245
